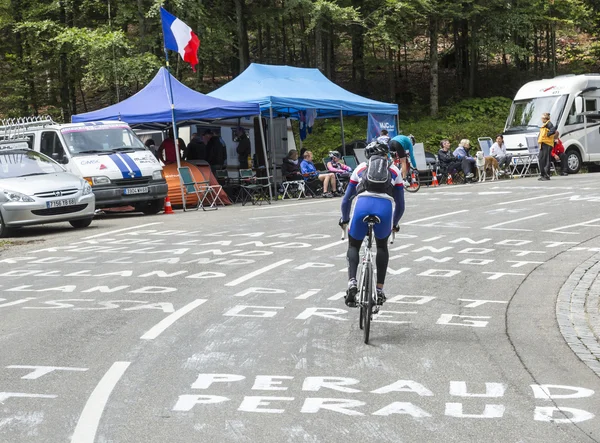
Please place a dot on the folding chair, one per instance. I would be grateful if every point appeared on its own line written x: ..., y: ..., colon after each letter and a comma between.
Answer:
x: 293, y: 189
x: 350, y: 160
x: 251, y: 191
x: 203, y: 190
x: 485, y: 143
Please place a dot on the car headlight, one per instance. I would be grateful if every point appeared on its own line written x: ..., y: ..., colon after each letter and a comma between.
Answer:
x: 17, y: 197
x: 158, y: 175
x: 87, y: 189
x: 99, y: 180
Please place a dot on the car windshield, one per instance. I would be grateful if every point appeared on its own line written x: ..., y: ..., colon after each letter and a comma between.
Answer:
x: 526, y: 115
x: 84, y: 140
x: 23, y: 163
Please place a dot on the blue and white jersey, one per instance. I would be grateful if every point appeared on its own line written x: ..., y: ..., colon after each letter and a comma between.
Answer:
x: 356, y: 177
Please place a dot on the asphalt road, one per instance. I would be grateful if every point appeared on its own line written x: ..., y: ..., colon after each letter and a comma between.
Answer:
x: 230, y: 326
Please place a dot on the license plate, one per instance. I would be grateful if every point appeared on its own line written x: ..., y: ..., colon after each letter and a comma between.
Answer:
x: 60, y: 203
x: 131, y: 191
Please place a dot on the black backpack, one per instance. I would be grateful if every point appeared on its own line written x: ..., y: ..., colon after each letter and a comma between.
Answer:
x: 377, y: 178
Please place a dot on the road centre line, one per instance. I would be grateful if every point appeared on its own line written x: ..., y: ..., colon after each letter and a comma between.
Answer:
x: 87, y: 426
x: 435, y: 216
x: 162, y: 325
x: 121, y: 230
x: 560, y: 228
x: 514, y: 221
x: 258, y: 272
x: 330, y: 245
x: 533, y: 198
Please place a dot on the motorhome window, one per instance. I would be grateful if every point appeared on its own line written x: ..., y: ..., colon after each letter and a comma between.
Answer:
x: 573, y: 118
x: 94, y: 140
x: 526, y: 115
x: 51, y: 146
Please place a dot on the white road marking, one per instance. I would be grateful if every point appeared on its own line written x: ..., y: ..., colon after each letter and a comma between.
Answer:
x: 534, y: 198
x: 307, y: 294
x: 495, y: 227
x: 435, y: 216
x: 258, y: 272
x: 162, y: 325
x: 330, y: 245
x: 121, y: 230
x: 87, y: 426
x: 560, y: 228
x: 338, y: 295
x: 286, y: 205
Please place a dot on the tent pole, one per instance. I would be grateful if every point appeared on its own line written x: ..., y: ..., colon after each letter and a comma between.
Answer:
x: 342, y: 124
x: 397, y: 124
x: 264, y: 149
x: 272, y: 142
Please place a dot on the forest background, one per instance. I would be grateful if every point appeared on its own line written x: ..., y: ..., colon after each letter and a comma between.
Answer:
x: 452, y: 66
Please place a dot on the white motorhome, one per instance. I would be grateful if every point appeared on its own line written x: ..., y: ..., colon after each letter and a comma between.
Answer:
x: 108, y: 155
x: 573, y: 102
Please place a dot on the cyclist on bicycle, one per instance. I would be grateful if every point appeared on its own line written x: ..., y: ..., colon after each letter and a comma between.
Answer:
x: 403, y: 146
x: 371, y: 203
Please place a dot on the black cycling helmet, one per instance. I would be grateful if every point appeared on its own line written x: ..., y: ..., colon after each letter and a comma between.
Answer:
x: 335, y: 154
x: 375, y: 148
x: 412, y: 139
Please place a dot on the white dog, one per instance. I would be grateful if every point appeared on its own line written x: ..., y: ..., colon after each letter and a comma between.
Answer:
x: 485, y: 163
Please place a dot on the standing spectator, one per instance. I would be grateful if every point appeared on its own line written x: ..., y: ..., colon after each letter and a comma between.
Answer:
x: 546, y: 142
x: 558, y: 154
x: 196, y: 149
x: 498, y: 151
x: 216, y: 153
x: 462, y: 154
x: 244, y: 149
x: 448, y: 162
x: 166, y: 150
x: 151, y: 145
x: 309, y: 172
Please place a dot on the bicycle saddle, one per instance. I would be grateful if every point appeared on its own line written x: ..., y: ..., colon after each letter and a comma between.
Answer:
x: 371, y: 219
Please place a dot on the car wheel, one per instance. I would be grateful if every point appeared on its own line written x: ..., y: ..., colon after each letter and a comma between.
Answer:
x: 573, y: 161
x: 82, y: 223
x: 153, y: 206
x: 4, y: 230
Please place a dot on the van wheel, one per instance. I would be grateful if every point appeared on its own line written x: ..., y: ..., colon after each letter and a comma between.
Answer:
x: 5, y: 231
x: 573, y: 161
x: 153, y: 206
x: 82, y: 223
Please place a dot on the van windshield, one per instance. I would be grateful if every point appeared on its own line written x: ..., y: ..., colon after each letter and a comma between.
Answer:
x: 85, y: 140
x: 526, y: 115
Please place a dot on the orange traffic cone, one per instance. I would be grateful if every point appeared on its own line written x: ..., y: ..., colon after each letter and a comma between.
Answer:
x: 168, y: 207
x: 434, y: 180
x: 449, y: 181
x: 413, y: 180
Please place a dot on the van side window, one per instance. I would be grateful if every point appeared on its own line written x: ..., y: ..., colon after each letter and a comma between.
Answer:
x: 573, y: 118
x: 590, y: 105
x: 51, y: 146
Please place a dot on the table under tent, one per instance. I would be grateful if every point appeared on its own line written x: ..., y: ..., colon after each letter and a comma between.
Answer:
x: 151, y: 108
x: 283, y: 91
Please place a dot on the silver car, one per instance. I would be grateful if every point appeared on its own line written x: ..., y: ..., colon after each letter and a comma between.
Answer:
x: 34, y: 189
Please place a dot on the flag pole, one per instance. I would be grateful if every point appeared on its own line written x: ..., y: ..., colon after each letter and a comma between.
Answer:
x: 175, y: 135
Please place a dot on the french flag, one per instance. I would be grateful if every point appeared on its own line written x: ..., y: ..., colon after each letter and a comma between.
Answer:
x: 180, y: 37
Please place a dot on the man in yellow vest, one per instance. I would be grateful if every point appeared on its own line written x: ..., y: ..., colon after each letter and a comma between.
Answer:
x: 546, y: 142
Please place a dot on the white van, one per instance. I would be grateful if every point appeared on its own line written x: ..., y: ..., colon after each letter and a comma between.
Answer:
x: 573, y: 102
x: 108, y: 155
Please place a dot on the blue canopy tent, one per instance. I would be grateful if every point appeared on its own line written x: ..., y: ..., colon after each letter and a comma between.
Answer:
x: 285, y: 90
x: 153, y: 105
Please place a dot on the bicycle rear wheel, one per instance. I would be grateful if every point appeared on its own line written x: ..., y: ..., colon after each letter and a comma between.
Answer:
x: 415, y: 184
x: 367, y: 307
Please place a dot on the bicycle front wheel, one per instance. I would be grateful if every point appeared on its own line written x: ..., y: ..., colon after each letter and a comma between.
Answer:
x: 367, y: 307
x: 415, y: 184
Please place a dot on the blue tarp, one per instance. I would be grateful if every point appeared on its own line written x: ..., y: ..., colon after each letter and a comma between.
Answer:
x: 153, y: 105
x: 288, y: 90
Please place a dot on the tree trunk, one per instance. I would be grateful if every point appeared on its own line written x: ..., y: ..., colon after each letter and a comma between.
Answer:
x: 536, y: 53
x: 242, y: 34
x: 303, y: 45
x: 359, y: 77
x: 141, y: 11
x: 63, y: 71
x: 319, y: 44
x: 391, y: 74
x: 473, y: 60
x: 433, y: 67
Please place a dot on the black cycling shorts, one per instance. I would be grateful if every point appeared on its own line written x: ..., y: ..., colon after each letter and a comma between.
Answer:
x: 396, y: 147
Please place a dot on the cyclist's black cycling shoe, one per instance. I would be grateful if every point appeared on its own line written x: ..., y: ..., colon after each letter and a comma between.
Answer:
x: 380, y: 297
x: 350, y: 297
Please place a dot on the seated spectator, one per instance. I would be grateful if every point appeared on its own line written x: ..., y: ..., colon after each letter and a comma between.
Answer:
x: 383, y: 137
x: 498, y: 151
x: 309, y: 172
x: 448, y: 163
x: 334, y: 165
x: 196, y: 149
x: 462, y: 154
x: 290, y: 167
x: 558, y: 155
